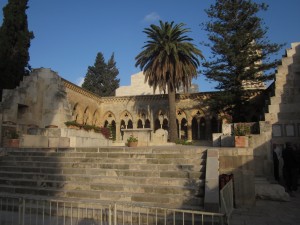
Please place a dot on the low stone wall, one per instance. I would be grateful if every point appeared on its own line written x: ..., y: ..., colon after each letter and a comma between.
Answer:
x: 63, y: 138
x: 240, y: 163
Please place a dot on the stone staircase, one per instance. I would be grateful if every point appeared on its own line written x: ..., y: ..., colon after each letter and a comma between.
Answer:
x: 170, y: 177
x: 284, y: 106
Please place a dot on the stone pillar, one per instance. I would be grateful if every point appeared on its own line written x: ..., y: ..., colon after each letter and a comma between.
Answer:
x: 118, y: 134
x: 179, y: 130
x: 198, y: 128
x: 189, y: 130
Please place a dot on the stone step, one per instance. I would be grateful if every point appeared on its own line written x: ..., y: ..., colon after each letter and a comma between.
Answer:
x: 285, y: 99
x: 284, y: 108
x: 100, y: 179
x: 154, y: 176
x: 177, y: 149
x: 149, y: 161
x: 159, y: 200
x: 113, y: 166
x: 128, y: 188
x: 104, y: 172
x: 106, y: 154
x: 282, y: 117
x: 102, y: 156
x: 286, y: 61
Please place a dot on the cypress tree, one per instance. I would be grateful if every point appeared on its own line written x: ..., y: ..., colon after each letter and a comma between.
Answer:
x: 240, y: 52
x: 14, y: 44
x: 111, y: 82
x: 101, y: 78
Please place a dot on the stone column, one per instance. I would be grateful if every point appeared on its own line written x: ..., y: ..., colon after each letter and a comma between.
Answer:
x: 179, y: 130
x: 189, y: 130
x: 118, y: 134
x: 198, y: 128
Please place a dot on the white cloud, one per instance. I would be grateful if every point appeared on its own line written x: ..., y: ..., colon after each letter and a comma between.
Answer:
x: 152, y: 17
x: 79, y: 81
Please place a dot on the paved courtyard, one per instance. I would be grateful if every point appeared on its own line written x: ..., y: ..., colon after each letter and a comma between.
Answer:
x: 269, y: 213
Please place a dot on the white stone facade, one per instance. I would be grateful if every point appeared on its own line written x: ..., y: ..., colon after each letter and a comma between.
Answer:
x: 139, y: 87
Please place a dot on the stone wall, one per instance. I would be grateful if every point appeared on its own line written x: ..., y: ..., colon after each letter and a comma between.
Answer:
x: 39, y: 101
x: 284, y: 108
x: 241, y: 163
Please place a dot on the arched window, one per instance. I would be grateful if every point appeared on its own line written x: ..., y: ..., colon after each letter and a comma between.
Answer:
x: 140, y: 124
x: 165, y: 125
x: 147, y: 123
x: 202, y: 128
x: 156, y: 124
x: 215, y: 126
x: 194, y: 129
x: 106, y: 123
x: 183, y: 131
x: 129, y: 125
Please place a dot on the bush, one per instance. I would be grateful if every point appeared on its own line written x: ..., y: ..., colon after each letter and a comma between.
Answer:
x: 73, y: 123
x: 241, y: 129
x: 132, y: 139
x: 183, y: 142
x: 103, y: 130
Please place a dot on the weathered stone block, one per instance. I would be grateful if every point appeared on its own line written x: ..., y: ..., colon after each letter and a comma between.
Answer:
x: 59, y: 142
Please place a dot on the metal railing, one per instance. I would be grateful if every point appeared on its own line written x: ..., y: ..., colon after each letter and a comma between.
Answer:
x: 226, y: 197
x: 30, y: 211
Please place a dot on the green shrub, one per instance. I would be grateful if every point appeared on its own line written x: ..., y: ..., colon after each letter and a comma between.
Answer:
x: 241, y: 129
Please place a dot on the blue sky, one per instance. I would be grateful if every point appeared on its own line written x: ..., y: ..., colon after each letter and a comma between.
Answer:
x: 70, y: 33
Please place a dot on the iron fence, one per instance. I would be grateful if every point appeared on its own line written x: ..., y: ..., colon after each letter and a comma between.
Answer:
x: 226, y: 197
x: 30, y: 211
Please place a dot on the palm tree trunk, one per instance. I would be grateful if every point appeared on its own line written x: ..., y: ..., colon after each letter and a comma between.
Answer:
x: 172, y: 114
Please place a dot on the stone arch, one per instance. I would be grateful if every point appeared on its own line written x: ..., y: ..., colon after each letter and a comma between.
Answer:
x: 215, y: 125
x: 140, y: 123
x: 126, y: 116
x: 78, y: 113
x: 165, y: 124
x: 142, y: 115
x: 202, y: 128
x: 183, y: 128
x: 96, y: 121
x: 130, y: 124
x: 197, y: 113
x: 195, y: 130
x: 157, y: 124
x: 106, y: 123
x: 199, y: 124
x: 109, y: 117
x: 147, y: 123
x: 160, y: 115
x: 86, y: 115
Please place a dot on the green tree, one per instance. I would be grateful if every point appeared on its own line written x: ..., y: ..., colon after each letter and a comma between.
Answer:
x: 169, y: 60
x: 240, y: 52
x: 14, y: 44
x: 111, y: 82
x: 101, y: 78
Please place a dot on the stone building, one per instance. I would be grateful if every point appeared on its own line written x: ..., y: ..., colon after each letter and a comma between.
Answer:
x: 44, y: 100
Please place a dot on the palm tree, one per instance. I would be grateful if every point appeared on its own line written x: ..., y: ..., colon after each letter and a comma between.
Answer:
x: 169, y: 60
